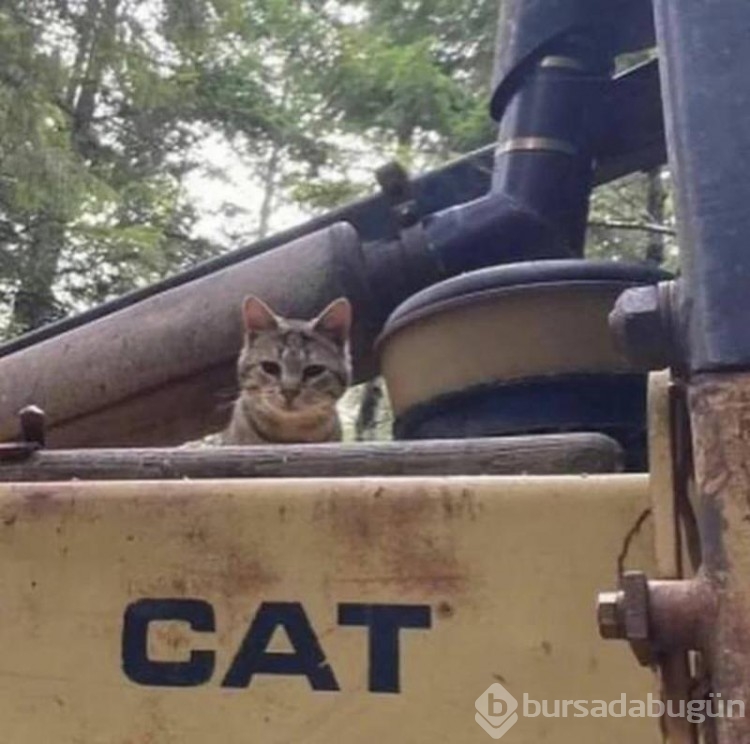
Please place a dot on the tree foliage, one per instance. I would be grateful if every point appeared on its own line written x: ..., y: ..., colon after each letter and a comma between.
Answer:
x: 109, y: 107
x: 102, y: 106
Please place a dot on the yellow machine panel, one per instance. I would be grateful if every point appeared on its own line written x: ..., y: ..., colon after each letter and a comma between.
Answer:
x: 362, y: 610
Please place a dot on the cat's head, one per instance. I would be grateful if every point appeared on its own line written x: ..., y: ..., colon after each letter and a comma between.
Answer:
x: 293, y: 367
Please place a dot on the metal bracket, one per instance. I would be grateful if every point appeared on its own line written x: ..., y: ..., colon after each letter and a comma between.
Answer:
x: 421, y: 264
x: 661, y: 619
x: 32, y: 422
x: 397, y: 188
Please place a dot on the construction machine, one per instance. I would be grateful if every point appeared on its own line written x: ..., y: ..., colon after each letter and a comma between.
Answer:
x: 555, y: 546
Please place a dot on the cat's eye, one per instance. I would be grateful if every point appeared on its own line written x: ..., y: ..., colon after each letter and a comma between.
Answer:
x: 313, y: 370
x: 271, y: 368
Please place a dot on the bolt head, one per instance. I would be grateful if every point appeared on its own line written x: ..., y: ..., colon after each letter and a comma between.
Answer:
x: 609, y: 615
x: 393, y: 180
x: 638, y: 324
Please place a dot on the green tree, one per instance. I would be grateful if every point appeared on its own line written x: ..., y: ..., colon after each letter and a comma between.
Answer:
x: 633, y: 219
x: 405, y: 79
x: 103, y: 104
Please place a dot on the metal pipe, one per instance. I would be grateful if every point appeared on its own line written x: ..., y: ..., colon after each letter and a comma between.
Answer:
x: 163, y: 371
x: 551, y: 110
x: 547, y: 136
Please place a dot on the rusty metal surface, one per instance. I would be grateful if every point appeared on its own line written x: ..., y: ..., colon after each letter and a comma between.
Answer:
x: 662, y: 619
x: 507, y: 568
x: 720, y: 411
x: 681, y: 613
x: 658, y: 617
x: 635, y: 614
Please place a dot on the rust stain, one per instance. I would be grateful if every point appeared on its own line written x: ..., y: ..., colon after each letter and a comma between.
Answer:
x: 243, y: 574
x: 434, y: 582
x: 173, y: 637
x: 404, y: 542
x: 155, y: 722
x: 31, y: 615
x: 224, y: 565
x: 196, y: 535
x: 40, y: 503
x: 231, y: 575
x: 229, y: 572
x: 445, y: 610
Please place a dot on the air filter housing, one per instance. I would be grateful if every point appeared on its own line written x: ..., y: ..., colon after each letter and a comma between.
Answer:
x: 516, y: 349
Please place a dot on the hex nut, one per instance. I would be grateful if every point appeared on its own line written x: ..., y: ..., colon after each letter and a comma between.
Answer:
x: 609, y: 615
x: 641, y: 329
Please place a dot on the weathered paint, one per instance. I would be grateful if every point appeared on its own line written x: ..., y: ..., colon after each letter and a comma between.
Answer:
x: 720, y: 417
x: 508, y: 566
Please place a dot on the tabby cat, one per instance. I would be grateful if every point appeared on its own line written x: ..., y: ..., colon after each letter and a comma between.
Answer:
x: 291, y: 374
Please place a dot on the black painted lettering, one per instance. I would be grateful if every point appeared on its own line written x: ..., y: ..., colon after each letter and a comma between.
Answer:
x: 196, y: 670
x: 307, y: 659
x: 384, y: 623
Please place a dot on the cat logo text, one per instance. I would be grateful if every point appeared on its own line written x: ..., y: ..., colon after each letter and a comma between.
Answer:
x: 383, y: 624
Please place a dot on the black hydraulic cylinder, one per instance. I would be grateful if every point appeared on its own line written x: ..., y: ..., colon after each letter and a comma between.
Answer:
x: 705, y: 58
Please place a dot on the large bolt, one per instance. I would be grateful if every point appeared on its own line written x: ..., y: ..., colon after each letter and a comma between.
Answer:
x: 641, y: 322
x: 394, y: 181
x: 657, y: 618
x: 624, y: 614
x: 32, y: 420
x: 609, y: 615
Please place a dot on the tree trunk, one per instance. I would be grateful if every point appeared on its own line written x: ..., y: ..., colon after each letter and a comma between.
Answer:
x: 98, y: 59
x: 85, y: 27
x: 34, y: 303
x: 272, y: 167
x: 269, y: 189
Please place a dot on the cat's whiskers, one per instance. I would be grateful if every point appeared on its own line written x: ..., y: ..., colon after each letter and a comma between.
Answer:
x: 278, y: 349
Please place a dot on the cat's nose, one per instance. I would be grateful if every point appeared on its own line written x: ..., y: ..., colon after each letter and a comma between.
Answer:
x: 289, y: 395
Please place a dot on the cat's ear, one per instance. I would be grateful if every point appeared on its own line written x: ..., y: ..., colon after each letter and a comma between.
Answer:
x: 258, y: 316
x: 335, y: 321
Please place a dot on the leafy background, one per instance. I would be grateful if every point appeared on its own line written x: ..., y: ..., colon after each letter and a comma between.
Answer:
x: 122, y: 120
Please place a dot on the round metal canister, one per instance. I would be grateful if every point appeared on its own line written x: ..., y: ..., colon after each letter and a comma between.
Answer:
x: 516, y: 349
